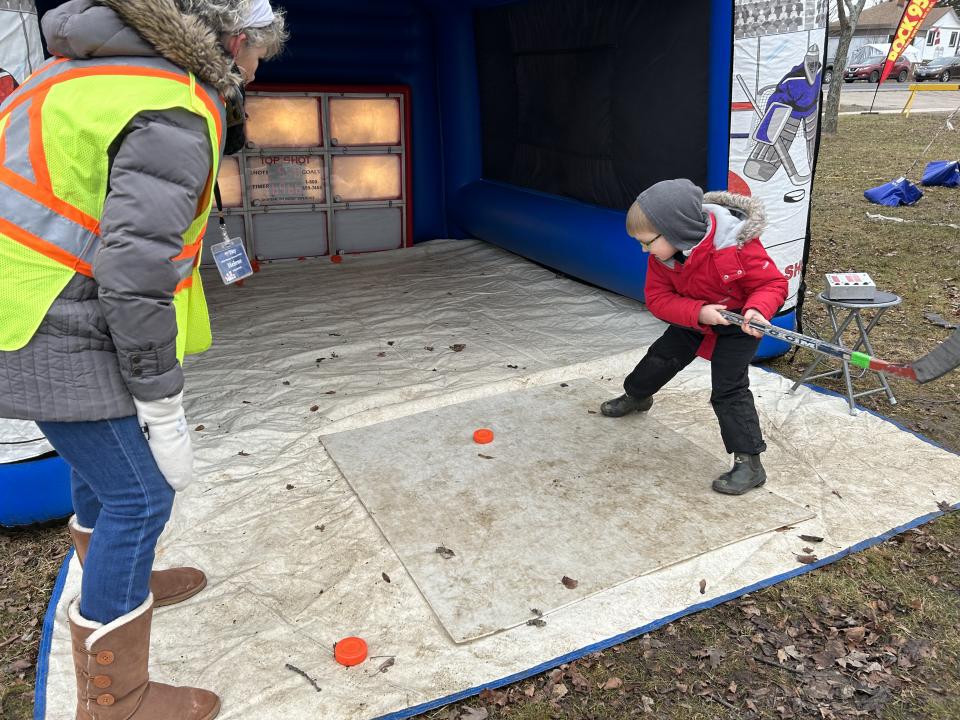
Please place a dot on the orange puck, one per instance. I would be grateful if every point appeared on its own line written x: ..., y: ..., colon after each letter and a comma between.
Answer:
x: 336, y: 258
x: 483, y: 436
x: 350, y: 651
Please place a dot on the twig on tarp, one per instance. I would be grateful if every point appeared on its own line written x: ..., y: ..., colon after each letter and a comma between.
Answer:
x: 298, y: 671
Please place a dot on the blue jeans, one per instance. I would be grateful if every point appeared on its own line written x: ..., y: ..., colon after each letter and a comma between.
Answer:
x: 119, y: 491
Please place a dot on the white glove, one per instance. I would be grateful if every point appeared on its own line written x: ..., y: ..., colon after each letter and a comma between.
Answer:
x: 165, y: 427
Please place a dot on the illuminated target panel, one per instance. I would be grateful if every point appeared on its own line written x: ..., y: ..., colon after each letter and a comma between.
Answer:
x: 325, y: 170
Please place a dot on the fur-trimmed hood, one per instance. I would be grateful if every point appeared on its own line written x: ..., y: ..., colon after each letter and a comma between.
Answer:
x: 749, y: 211
x: 83, y: 29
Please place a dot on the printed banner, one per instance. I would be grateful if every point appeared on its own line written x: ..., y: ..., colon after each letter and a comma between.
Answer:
x: 775, y: 116
x: 914, y: 14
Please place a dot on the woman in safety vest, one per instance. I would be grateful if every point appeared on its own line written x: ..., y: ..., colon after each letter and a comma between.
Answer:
x: 108, y: 157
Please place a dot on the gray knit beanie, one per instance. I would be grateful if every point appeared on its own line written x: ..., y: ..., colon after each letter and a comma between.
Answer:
x: 675, y: 207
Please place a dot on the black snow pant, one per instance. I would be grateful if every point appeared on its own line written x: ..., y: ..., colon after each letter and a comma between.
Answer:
x: 731, y: 397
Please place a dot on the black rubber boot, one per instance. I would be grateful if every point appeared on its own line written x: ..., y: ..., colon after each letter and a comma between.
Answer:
x: 624, y: 405
x: 747, y: 473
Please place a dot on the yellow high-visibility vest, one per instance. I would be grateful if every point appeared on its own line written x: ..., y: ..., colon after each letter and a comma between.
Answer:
x: 62, y: 122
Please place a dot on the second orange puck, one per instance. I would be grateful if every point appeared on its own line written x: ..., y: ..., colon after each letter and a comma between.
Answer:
x: 350, y: 651
x: 336, y: 258
x: 483, y: 436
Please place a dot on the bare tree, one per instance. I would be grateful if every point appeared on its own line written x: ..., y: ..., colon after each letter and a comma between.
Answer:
x: 848, y: 13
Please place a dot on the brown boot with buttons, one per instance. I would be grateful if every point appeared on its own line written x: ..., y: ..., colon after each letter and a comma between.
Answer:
x: 168, y: 586
x: 113, y: 682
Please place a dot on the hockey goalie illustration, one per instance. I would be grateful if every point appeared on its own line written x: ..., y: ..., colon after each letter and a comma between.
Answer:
x: 783, y: 111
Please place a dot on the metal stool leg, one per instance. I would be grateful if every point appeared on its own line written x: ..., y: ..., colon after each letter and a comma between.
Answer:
x: 838, y: 330
x: 865, y: 337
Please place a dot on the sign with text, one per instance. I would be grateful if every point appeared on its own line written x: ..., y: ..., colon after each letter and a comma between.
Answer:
x: 913, y: 16
x: 285, y: 179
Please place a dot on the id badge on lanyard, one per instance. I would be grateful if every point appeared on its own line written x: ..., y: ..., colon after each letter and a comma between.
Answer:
x: 229, y: 255
x: 231, y: 258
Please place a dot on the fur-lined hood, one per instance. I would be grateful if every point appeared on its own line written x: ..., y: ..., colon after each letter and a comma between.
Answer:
x: 749, y: 210
x: 140, y: 28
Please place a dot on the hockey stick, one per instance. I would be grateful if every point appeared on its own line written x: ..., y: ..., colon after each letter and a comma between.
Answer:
x: 822, y: 346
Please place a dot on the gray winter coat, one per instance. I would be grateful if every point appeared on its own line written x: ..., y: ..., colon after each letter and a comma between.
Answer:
x: 113, y: 336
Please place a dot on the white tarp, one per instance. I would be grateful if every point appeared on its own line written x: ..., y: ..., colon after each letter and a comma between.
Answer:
x: 21, y: 51
x: 295, y: 561
x: 559, y: 494
x: 21, y: 440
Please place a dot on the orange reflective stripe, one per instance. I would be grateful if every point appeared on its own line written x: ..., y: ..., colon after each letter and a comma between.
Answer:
x: 18, y: 99
x: 44, y: 68
x: 212, y: 108
x: 189, y: 251
x: 45, y: 197
x: 38, y: 156
x: 184, y: 284
x: 44, y: 248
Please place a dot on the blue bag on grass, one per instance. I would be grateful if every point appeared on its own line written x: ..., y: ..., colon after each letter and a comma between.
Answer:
x: 897, y: 192
x: 945, y: 173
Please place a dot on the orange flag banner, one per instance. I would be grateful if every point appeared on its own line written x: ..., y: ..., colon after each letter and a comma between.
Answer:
x: 914, y: 14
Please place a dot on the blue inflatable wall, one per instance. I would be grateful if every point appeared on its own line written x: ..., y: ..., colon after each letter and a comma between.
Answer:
x: 431, y: 46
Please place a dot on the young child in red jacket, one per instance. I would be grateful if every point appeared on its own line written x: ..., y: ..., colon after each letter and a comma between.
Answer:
x: 705, y: 255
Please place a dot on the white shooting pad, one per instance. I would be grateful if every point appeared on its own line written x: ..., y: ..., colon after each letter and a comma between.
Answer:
x: 283, y: 591
x: 559, y: 493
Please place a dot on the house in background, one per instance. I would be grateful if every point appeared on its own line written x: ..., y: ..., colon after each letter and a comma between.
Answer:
x: 939, y: 35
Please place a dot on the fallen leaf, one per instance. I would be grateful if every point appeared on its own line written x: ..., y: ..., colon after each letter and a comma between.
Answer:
x: 330, y: 392
x: 243, y: 453
x: 529, y: 691
x: 198, y: 428
x: 385, y: 577
x: 703, y: 587
x: 811, y: 538
x: 834, y: 492
x: 386, y: 665
x: 560, y: 690
x: 485, y: 457
x: 429, y: 348
x: 381, y: 354
x: 569, y: 583
x: 808, y: 550
x: 390, y: 343
x: 513, y: 367
x: 944, y: 506
x: 314, y: 408
x: 564, y: 385
x: 470, y: 713
x: 647, y: 704
x: 613, y: 684
x: 286, y: 382
x: 290, y: 486
x: 321, y: 528
x: 537, y: 611
x: 20, y: 665
x: 591, y: 412
x: 806, y: 559
x: 458, y: 347
x: 445, y: 553
x: 537, y: 622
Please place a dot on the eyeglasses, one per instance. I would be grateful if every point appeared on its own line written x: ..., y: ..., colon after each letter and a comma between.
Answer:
x: 647, y: 243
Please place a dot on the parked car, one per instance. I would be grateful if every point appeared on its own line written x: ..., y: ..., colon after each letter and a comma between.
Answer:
x: 871, y: 68
x: 942, y: 69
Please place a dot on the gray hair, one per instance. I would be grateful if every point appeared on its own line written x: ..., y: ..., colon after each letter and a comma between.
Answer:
x: 227, y: 16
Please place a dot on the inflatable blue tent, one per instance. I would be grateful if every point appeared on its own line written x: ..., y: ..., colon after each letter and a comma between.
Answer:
x: 533, y: 124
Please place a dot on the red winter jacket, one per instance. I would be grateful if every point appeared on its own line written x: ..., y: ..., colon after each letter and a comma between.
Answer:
x: 718, y: 270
